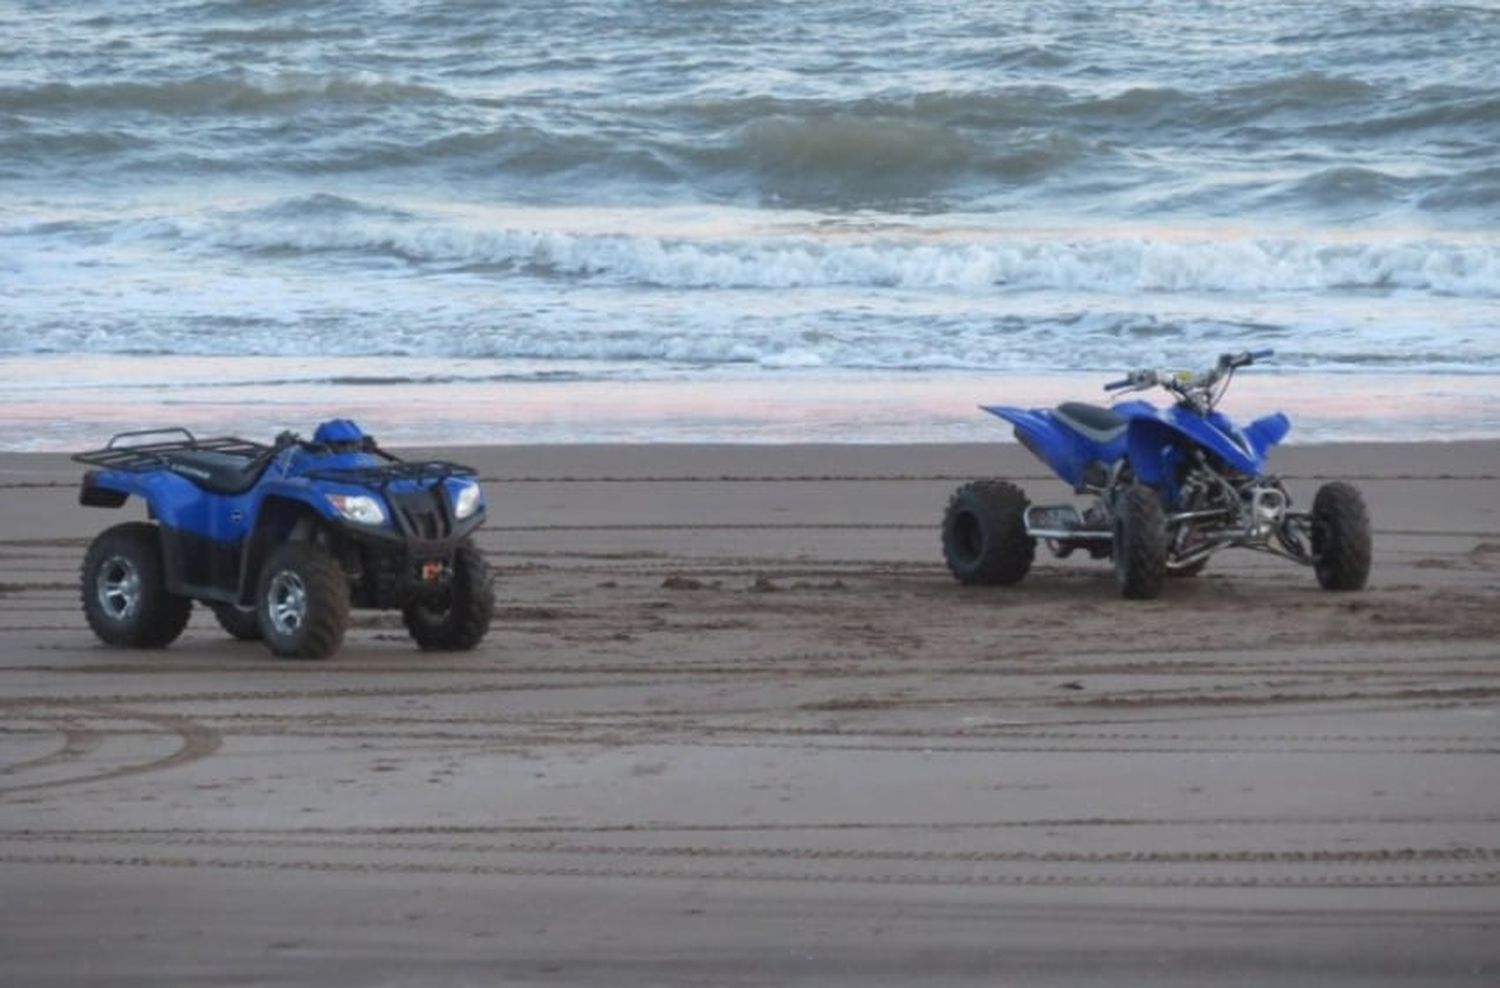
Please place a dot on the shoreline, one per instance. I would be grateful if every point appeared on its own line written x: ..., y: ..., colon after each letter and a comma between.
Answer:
x: 426, y: 402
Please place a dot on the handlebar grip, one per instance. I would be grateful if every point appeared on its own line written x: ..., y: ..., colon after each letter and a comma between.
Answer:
x: 1262, y: 354
x: 1117, y: 385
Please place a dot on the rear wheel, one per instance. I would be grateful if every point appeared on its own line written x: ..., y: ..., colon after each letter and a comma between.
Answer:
x: 303, y: 602
x: 984, y: 533
x: 1140, y: 548
x: 1340, y: 537
x: 124, y: 588
x: 461, y: 619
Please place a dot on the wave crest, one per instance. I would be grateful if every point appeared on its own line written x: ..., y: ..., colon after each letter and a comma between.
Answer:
x: 976, y: 263
x: 229, y: 92
x: 850, y: 146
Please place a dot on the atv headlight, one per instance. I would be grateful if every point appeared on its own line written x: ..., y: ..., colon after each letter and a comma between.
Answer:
x: 466, y: 500
x: 358, y: 507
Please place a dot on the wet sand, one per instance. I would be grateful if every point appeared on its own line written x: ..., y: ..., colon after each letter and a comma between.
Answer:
x: 735, y: 724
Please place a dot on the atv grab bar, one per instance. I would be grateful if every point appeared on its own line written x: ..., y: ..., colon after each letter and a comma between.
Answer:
x: 137, y: 433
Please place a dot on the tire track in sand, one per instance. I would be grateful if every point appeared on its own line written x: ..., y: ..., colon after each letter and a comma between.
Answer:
x: 197, y: 742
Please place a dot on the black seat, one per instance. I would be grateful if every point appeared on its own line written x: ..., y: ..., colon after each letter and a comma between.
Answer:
x: 1091, y: 421
x: 221, y: 473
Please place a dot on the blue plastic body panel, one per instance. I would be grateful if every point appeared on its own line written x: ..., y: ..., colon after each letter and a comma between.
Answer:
x: 1156, y: 441
x: 1062, y: 449
x: 338, y: 431
x: 178, y: 503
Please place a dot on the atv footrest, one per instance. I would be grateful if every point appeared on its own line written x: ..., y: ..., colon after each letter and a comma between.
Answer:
x: 1061, y: 523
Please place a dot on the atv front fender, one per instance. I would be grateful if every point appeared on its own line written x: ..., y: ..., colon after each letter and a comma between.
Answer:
x: 1267, y: 431
x: 1150, y: 444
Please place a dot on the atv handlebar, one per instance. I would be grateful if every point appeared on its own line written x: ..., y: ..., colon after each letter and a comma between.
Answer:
x: 1234, y: 361
x: 1194, y: 389
x: 291, y: 440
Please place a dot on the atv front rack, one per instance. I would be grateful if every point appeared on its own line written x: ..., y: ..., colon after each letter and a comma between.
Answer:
x: 379, y: 477
x: 140, y: 457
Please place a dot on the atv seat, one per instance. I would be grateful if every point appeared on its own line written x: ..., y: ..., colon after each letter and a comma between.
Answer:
x: 1091, y: 421
x: 220, y: 473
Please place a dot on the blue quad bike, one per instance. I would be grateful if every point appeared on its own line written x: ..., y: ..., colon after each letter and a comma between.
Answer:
x: 280, y: 541
x: 1169, y: 488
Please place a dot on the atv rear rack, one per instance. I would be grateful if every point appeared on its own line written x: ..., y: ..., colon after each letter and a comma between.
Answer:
x: 140, y: 457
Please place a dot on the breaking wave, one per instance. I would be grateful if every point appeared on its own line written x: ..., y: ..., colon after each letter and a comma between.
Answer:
x: 983, y: 263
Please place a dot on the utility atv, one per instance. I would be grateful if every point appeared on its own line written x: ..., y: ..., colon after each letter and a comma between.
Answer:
x: 282, y: 540
x: 1170, y: 488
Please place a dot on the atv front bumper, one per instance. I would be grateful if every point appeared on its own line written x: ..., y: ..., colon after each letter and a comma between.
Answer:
x: 391, y: 569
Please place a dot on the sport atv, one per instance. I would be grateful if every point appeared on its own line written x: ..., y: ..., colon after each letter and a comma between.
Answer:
x: 1169, y: 488
x: 280, y: 541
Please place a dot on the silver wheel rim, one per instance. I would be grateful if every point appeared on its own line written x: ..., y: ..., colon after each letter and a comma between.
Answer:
x: 286, y: 602
x: 118, y: 588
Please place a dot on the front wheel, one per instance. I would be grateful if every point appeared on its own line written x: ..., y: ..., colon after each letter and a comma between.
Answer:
x: 984, y: 533
x: 125, y: 594
x: 1140, y: 548
x: 461, y: 619
x: 302, y: 603
x: 1340, y: 537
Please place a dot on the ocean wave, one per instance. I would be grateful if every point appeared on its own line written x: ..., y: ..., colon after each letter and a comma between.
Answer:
x: 1438, y: 108
x: 1344, y: 184
x: 1079, y: 144
x: 1478, y: 190
x: 1303, y: 89
x: 853, y: 147
x: 983, y: 263
x: 273, y: 34
x: 19, y: 144
x: 519, y: 149
x: 562, y: 349
x: 322, y: 206
x: 227, y: 92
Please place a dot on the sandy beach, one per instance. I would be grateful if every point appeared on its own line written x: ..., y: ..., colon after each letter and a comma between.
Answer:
x: 735, y: 724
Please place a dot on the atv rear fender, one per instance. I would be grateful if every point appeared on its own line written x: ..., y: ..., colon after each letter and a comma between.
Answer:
x: 172, y: 500
x: 1079, y: 461
x: 100, y: 495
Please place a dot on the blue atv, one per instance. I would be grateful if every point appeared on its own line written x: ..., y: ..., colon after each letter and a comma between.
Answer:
x: 282, y: 540
x: 1169, y: 488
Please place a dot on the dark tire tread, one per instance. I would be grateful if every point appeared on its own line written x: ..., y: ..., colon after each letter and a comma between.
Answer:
x: 161, y: 616
x: 327, y: 588
x: 1006, y: 552
x: 1140, y: 543
x: 1340, y: 537
x: 467, y: 620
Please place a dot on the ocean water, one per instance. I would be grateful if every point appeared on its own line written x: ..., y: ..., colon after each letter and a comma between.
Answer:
x: 248, y: 212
